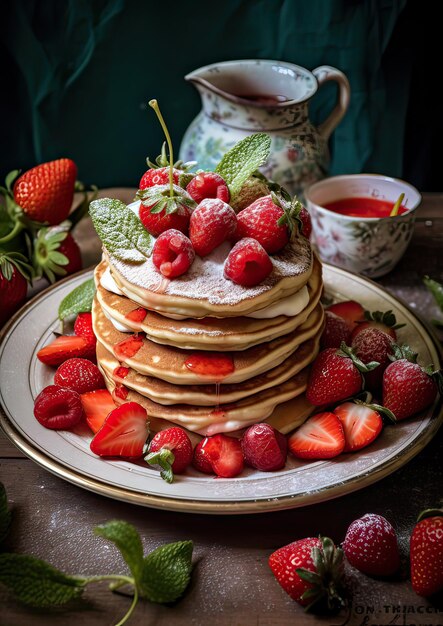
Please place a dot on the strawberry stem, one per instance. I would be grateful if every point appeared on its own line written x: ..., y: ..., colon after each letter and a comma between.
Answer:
x: 154, y: 105
x: 18, y: 227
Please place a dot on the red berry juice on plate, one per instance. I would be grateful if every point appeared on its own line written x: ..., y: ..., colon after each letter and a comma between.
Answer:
x: 363, y: 207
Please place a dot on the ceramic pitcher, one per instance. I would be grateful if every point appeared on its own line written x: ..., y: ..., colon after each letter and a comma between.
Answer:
x: 244, y: 97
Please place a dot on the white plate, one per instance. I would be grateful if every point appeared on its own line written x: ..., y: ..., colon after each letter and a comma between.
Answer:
x: 67, y: 454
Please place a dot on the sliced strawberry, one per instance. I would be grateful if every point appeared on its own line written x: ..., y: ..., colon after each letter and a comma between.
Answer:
x: 349, y: 310
x: 121, y: 391
x: 137, y: 315
x: 65, y: 347
x: 97, y: 405
x: 320, y: 437
x: 128, y: 347
x: 123, y: 433
x: 200, y: 460
x: 225, y: 455
x: 361, y: 425
x: 121, y: 372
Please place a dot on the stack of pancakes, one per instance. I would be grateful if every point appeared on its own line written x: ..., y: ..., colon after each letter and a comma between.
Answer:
x: 209, y: 355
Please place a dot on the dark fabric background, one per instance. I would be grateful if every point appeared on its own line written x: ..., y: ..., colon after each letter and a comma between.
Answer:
x: 77, y: 76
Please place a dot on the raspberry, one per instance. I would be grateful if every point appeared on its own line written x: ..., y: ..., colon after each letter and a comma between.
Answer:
x: 264, y: 448
x: 173, y: 253
x: 211, y: 223
x: 208, y: 185
x: 259, y: 221
x: 158, y: 176
x: 80, y: 375
x: 58, y: 408
x: 248, y: 263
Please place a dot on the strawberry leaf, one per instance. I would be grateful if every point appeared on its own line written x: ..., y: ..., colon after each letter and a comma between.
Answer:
x: 243, y: 159
x: 79, y: 300
x: 5, y: 514
x: 167, y: 572
x: 165, y: 459
x: 383, y: 317
x: 128, y: 541
x: 120, y: 230
x: 37, y: 583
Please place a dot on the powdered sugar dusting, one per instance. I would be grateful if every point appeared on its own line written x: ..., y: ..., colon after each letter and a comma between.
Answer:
x: 205, y: 281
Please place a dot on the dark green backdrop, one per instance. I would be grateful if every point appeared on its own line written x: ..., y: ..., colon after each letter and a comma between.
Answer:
x: 79, y: 75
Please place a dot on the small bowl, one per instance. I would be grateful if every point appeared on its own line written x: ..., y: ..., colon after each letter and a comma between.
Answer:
x: 366, y: 245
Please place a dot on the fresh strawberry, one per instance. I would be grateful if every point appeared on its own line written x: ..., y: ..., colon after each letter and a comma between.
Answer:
x: 260, y: 221
x: 58, y: 408
x: 123, y: 433
x: 361, y: 425
x: 200, y: 459
x: 208, y: 185
x: 336, y: 375
x: 305, y: 218
x: 382, y: 320
x: 310, y: 571
x: 335, y: 331
x: 14, y: 275
x: 80, y: 375
x: 349, y: 310
x: 120, y: 391
x: 224, y: 454
x: 56, y: 253
x: 407, y: 387
x: 66, y: 347
x: 83, y: 326
x: 173, y: 253
x: 426, y: 550
x: 264, y: 447
x: 97, y: 405
x: 212, y: 223
x: 159, y: 211
x: 158, y: 176
x: 371, y: 546
x: 372, y: 344
x: 253, y: 188
x: 45, y: 192
x: 137, y: 315
x: 248, y: 263
x: 128, y: 347
x: 320, y: 437
x: 171, y: 449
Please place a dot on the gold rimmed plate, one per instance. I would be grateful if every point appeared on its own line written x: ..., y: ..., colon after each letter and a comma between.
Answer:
x: 300, y: 483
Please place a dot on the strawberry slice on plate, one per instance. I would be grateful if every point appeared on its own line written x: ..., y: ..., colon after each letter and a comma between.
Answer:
x: 123, y: 433
x: 224, y: 454
x: 66, y: 347
x: 349, y: 310
x: 320, y: 437
x: 97, y: 405
x: 361, y: 424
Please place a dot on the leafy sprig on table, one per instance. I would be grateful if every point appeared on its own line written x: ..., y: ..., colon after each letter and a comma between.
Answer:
x: 161, y: 576
x: 437, y: 291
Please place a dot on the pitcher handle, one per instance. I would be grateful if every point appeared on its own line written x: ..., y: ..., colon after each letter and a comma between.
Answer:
x: 323, y: 74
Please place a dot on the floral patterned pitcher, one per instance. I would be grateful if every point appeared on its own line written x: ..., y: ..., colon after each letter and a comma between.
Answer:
x: 244, y: 97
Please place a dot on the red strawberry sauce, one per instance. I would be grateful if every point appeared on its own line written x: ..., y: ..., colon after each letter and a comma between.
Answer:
x: 363, y: 207
x: 210, y: 364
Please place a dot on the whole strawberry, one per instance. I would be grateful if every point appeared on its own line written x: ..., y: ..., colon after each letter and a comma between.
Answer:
x: 212, y: 223
x: 45, y: 192
x: 336, y: 375
x: 14, y: 276
x: 335, y: 331
x: 171, y: 449
x: 78, y: 374
x: 260, y: 221
x: 56, y: 253
x: 160, y: 211
x: 408, y: 388
x: 159, y: 170
x: 371, y: 546
x: 372, y: 344
x: 310, y: 571
x: 426, y: 553
x: 382, y: 320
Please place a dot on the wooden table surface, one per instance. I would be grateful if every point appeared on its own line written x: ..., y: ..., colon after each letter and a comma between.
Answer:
x: 231, y: 582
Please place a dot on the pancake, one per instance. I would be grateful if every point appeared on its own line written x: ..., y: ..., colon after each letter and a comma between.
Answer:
x: 208, y: 333
x: 204, y: 291
x: 173, y: 364
x: 163, y: 392
x: 225, y: 417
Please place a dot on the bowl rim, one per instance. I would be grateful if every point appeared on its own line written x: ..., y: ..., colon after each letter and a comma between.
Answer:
x: 352, y: 218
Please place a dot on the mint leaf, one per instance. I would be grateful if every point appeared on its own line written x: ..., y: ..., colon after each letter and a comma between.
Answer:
x: 5, y: 514
x: 78, y: 301
x: 120, y: 230
x: 128, y: 541
x: 37, y: 583
x: 167, y: 572
x: 243, y: 159
x: 436, y: 289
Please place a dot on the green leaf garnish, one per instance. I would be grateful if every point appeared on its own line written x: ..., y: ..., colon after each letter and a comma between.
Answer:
x: 128, y: 541
x: 78, y: 301
x: 436, y: 289
x: 37, y: 583
x: 120, y: 230
x: 5, y: 514
x: 166, y: 572
x: 243, y: 159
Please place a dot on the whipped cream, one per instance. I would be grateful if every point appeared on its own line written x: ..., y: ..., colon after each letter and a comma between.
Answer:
x: 117, y: 325
x: 289, y: 306
x: 108, y: 283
